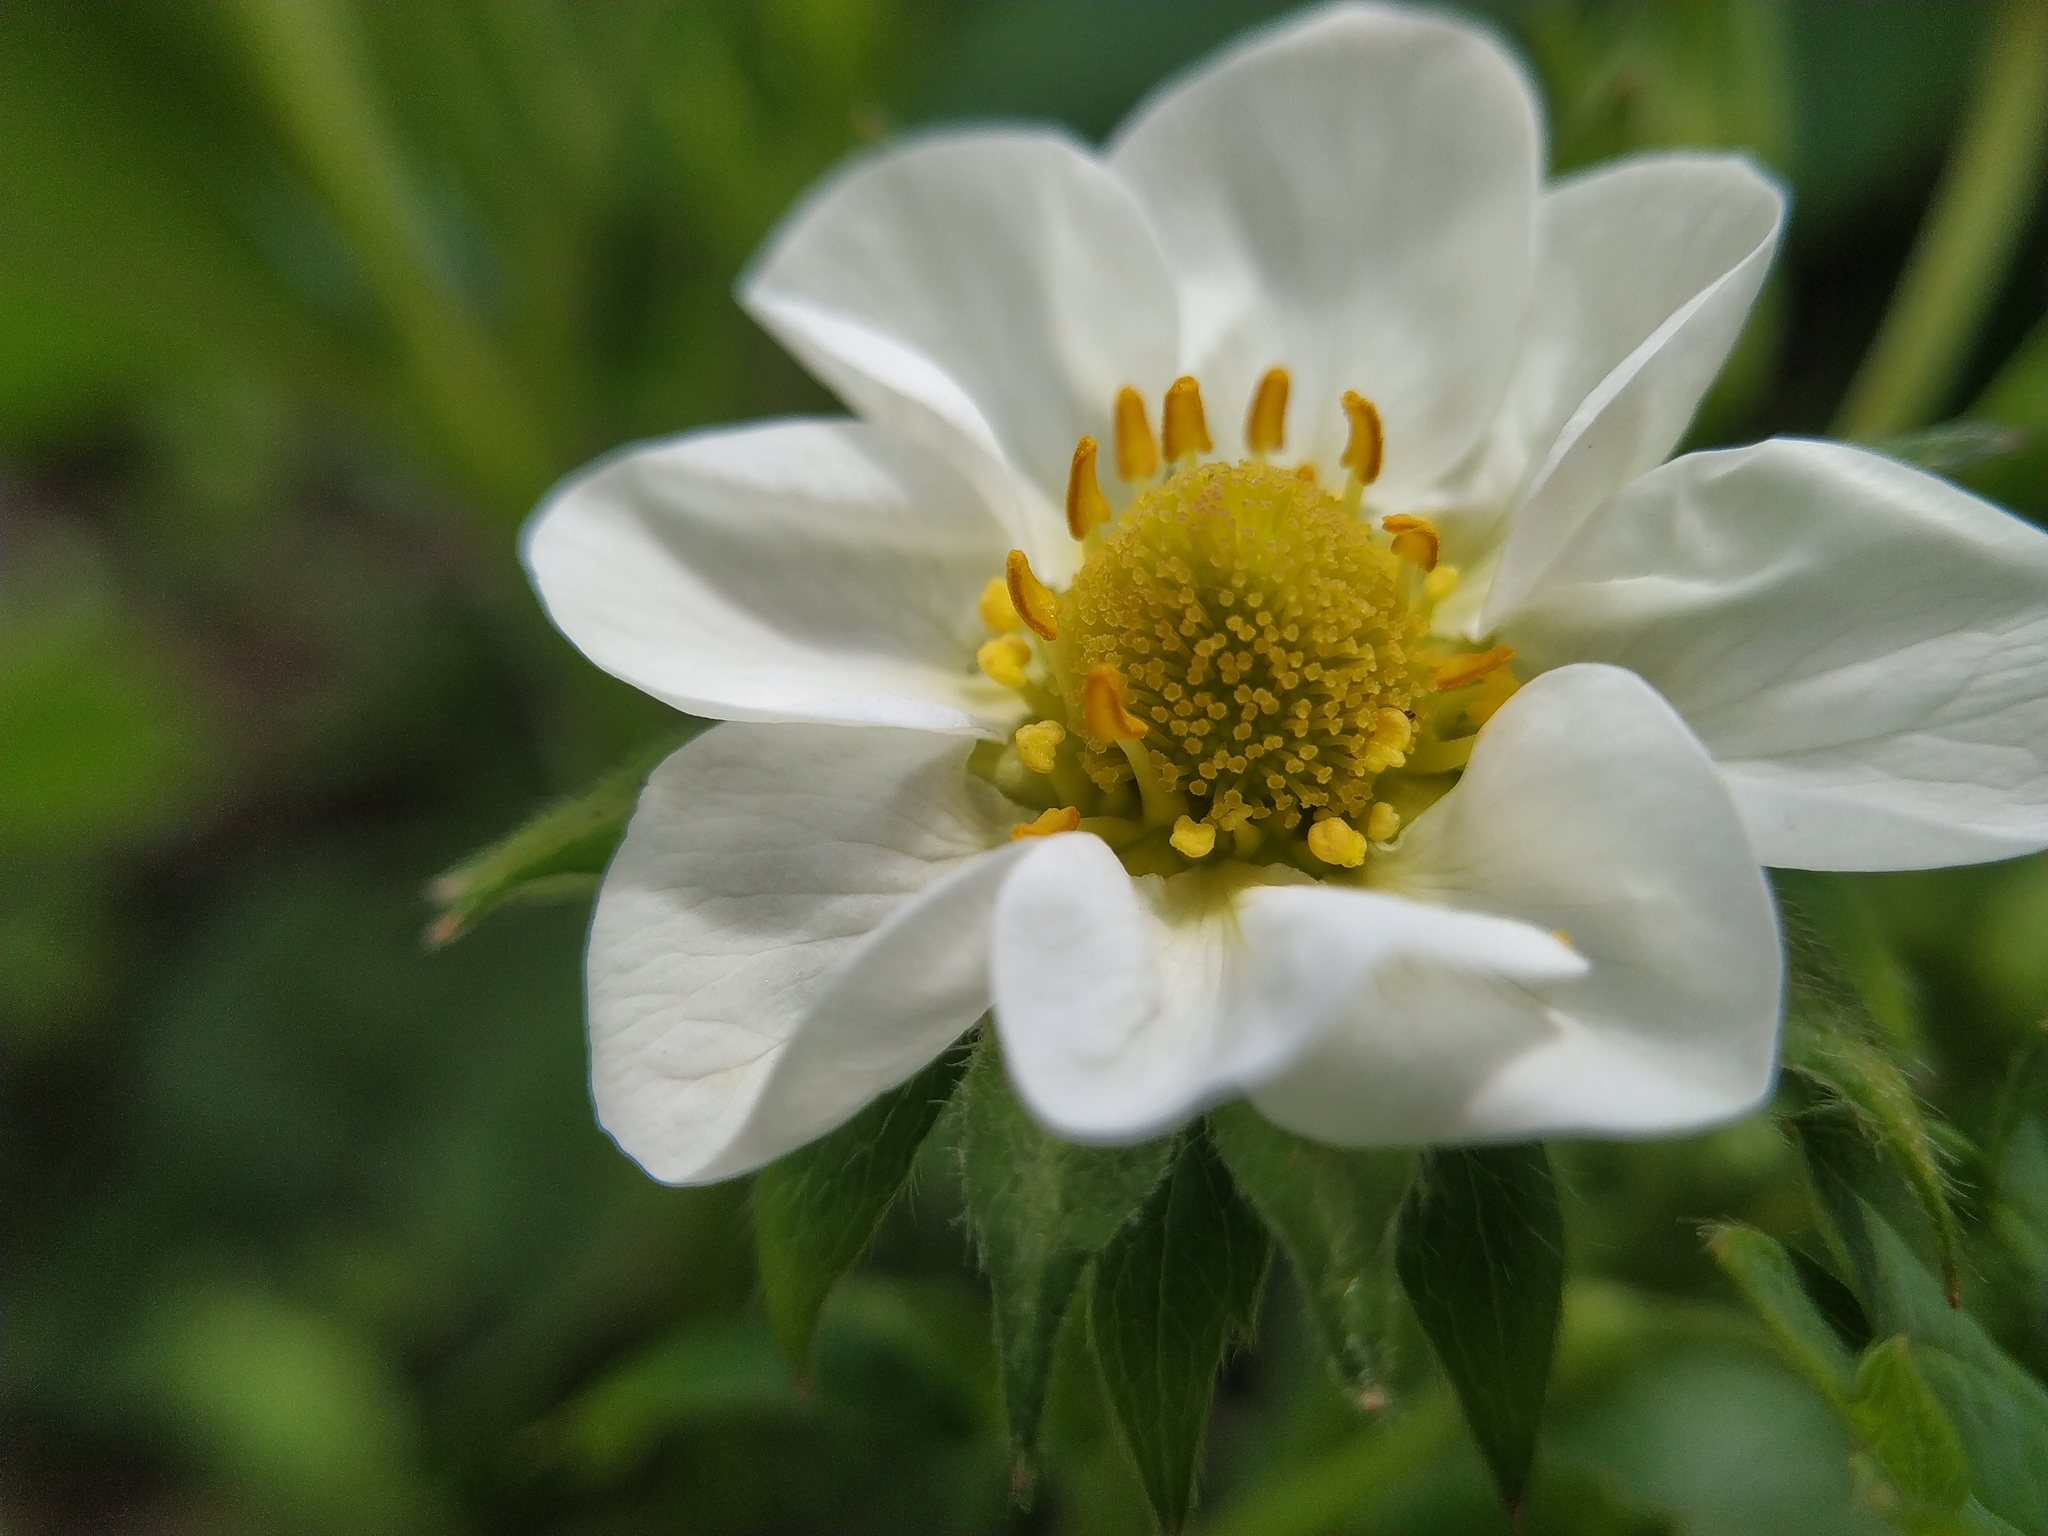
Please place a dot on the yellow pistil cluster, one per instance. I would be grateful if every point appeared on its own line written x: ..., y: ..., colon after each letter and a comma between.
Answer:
x: 1243, y: 662
x: 1261, y: 635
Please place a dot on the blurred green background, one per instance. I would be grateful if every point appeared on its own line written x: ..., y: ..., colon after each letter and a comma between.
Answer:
x: 309, y: 1229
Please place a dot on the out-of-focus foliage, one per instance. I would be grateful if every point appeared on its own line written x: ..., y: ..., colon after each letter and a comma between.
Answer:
x: 309, y: 1229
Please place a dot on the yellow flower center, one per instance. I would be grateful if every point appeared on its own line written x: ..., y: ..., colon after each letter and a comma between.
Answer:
x: 1260, y: 631
x: 1242, y: 668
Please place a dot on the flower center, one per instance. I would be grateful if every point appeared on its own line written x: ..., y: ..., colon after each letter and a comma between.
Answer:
x: 1243, y: 662
x: 1263, y: 637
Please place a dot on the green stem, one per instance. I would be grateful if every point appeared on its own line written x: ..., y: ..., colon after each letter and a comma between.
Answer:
x: 307, y: 58
x: 1988, y: 191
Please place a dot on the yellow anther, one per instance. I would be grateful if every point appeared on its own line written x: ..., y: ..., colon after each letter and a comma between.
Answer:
x: 1183, y: 427
x: 1193, y: 839
x: 1494, y: 690
x: 1440, y: 583
x: 1005, y: 659
x: 1415, y: 539
x: 1334, y: 842
x: 1086, y: 507
x: 1382, y: 822
x: 1305, y: 472
x: 1463, y: 671
x: 1392, y: 728
x: 1265, y: 424
x: 1036, y: 603
x: 1563, y: 937
x: 995, y: 607
x: 1038, y: 742
x: 1368, y: 444
x: 1102, y: 707
x: 1063, y: 819
x: 1137, y: 452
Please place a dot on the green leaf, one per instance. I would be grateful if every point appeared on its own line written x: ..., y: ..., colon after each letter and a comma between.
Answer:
x: 1332, y: 1210
x: 1843, y: 998
x: 1480, y: 1252
x: 1042, y: 1208
x: 1905, y: 1428
x: 557, y: 856
x: 1169, y: 1294
x: 816, y: 1210
x: 1769, y: 1281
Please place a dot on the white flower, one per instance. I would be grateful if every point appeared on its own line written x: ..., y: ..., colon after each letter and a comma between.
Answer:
x: 1795, y: 654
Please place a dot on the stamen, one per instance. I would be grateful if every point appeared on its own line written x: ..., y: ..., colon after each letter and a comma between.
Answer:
x: 1440, y: 583
x: 1036, y: 603
x: 1183, y: 426
x: 1393, y: 729
x: 1383, y: 822
x: 1137, y: 453
x: 1193, y: 839
x: 1005, y: 658
x: 1415, y: 539
x: 1495, y: 690
x: 1335, y: 842
x: 995, y: 607
x: 1063, y: 819
x: 1455, y: 672
x: 1086, y: 506
x: 1265, y: 424
x: 1038, y: 744
x: 1102, y: 707
x: 1368, y: 444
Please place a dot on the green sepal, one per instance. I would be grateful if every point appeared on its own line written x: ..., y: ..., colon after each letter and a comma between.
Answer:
x: 1041, y: 1208
x: 816, y: 1210
x: 1905, y: 1428
x: 557, y: 856
x: 1333, y: 1211
x: 1769, y: 1280
x: 1847, y: 1016
x: 1169, y: 1294
x: 1479, y: 1248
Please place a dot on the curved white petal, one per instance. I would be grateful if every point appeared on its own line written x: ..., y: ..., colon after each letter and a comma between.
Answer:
x: 1352, y: 196
x: 1590, y: 813
x: 796, y: 921
x: 1620, y: 251
x: 1119, y: 1002
x: 988, y: 292
x: 1648, y: 271
x: 1863, y: 647
x: 795, y: 570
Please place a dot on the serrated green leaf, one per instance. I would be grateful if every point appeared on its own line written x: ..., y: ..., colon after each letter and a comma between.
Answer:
x: 1042, y: 1208
x: 557, y: 856
x: 1905, y: 1428
x: 1844, y: 1001
x: 1169, y: 1294
x: 1769, y: 1281
x: 1480, y: 1251
x: 816, y: 1210
x: 1331, y: 1209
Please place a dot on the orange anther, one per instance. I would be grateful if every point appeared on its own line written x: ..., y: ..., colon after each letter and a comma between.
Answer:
x: 1415, y: 539
x: 1183, y: 427
x: 1455, y: 672
x: 1036, y: 603
x: 1368, y: 444
x: 1063, y: 819
x: 1086, y: 507
x: 1265, y: 424
x: 1137, y: 454
x: 1102, y: 707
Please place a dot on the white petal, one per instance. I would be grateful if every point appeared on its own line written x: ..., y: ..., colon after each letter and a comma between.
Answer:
x: 1352, y: 196
x: 1588, y: 810
x: 1863, y: 647
x: 988, y: 292
x: 796, y: 921
x: 1647, y: 271
x: 796, y: 570
x: 1120, y: 1003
